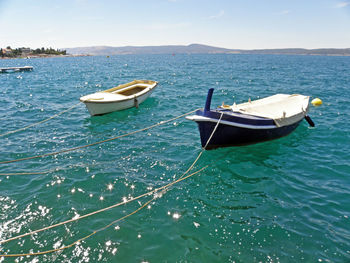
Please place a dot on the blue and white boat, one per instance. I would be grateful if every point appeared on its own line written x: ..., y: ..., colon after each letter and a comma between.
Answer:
x: 251, y: 122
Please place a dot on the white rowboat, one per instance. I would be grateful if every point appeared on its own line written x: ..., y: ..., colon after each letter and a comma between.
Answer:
x: 119, y: 98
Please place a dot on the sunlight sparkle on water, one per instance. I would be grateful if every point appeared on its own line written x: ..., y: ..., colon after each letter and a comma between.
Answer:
x: 176, y: 215
x: 251, y: 174
x: 76, y: 216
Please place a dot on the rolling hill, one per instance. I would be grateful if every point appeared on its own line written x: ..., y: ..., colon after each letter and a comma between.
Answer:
x: 197, y: 49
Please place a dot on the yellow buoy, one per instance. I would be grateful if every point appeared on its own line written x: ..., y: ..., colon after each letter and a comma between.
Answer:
x: 316, y: 102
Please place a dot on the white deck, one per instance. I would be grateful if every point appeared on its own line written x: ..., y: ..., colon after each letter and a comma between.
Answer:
x: 103, y: 96
x: 284, y: 109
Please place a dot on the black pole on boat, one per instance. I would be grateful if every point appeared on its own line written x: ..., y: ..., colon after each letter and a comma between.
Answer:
x: 208, y: 101
x: 310, y: 122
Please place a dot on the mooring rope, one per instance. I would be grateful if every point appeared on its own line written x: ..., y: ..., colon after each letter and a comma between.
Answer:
x: 37, y: 123
x: 99, y: 142
x: 101, y: 210
x: 165, y: 187
x: 79, y: 240
x: 204, y: 148
x: 90, y: 214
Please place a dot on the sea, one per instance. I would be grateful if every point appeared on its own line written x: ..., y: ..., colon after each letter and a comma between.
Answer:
x: 286, y: 200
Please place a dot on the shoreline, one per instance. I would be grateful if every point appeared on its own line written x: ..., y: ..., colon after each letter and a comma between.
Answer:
x: 229, y: 53
x: 44, y: 56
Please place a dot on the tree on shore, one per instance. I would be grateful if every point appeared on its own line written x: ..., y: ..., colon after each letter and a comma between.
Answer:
x: 18, y: 52
x: 49, y: 51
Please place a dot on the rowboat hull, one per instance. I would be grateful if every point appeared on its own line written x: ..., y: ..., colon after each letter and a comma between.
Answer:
x: 98, y: 108
x: 229, y: 134
x: 113, y: 100
x: 223, y: 127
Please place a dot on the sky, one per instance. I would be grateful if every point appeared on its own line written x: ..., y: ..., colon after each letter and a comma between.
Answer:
x: 234, y: 24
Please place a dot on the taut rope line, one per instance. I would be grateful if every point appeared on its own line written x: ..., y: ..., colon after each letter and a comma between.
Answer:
x: 99, y: 142
x: 79, y: 240
x: 37, y: 123
x: 203, y: 149
x: 183, y: 177
x: 101, y: 210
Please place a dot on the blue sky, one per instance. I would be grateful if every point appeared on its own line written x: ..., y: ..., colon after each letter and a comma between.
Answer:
x: 236, y: 24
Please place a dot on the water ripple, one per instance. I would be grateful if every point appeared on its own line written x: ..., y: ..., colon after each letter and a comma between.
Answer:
x: 281, y: 201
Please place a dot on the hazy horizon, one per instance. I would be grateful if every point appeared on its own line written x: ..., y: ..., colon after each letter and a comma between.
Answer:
x: 140, y: 46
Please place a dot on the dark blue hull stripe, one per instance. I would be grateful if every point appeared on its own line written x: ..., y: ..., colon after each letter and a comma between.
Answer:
x: 229, y: 135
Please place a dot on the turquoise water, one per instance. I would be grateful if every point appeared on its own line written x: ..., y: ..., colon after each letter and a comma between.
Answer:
x: 286, y: 200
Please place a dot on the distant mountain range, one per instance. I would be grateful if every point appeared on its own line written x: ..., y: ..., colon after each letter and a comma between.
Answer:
x: 198, y: 49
